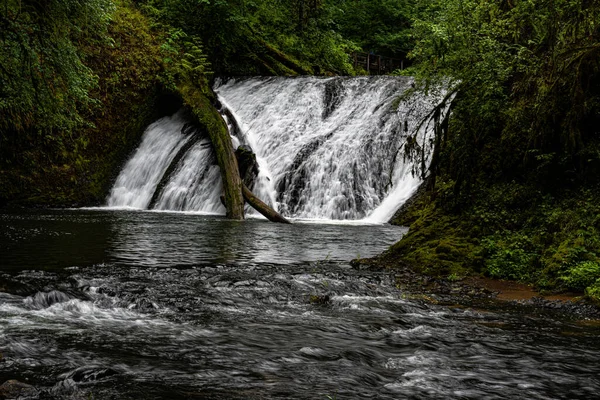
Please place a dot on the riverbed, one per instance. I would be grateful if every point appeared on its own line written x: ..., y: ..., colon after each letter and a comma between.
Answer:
x: 157, y: 305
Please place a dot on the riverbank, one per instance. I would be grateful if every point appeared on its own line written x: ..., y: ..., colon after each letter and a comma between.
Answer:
x: 515, y: 231
x: 482, y: 293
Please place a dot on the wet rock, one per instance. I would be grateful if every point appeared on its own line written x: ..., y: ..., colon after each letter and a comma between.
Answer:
x: 333, y: 96
x: 320, y: 300
x: 247, y: 165
x: 13, y: 389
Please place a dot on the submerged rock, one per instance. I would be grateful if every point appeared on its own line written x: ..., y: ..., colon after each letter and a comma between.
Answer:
x: 14, y: 389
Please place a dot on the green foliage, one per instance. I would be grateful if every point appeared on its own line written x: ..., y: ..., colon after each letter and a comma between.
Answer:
x: 582, y: 275
x: 256, y: 37
x: 509, y: 257
x: 45, y: 84
x: 521, y: 152
x: 593, y: 291
x: 528, y: 76
x: 381, y: 26
x: 63, y: 155
x: 130, y: 72
x: 507, y: 231
x: 184, y: 59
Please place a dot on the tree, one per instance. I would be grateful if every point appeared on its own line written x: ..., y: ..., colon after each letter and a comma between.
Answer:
x: 527, y: 75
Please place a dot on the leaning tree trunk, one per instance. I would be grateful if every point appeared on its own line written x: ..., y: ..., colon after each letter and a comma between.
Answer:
x: 234, y: 190
x: 209, y: 118
x: 249, y: 172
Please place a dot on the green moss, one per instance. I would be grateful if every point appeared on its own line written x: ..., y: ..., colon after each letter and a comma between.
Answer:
x: 508, y: 231
x: 199, y: 98
x: 436, y: 244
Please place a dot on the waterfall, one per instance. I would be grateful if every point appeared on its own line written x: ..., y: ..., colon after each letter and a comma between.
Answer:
x: 137, y: 181
x: 327, y: 148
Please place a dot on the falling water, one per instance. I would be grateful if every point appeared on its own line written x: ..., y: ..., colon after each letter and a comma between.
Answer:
x: 142, y: 173
x: 327, y: 148
x: 196, y: 185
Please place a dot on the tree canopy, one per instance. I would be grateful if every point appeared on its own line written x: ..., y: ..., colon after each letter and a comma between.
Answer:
x: 527, y: 74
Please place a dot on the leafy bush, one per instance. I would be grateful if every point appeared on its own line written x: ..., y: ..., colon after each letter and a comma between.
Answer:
x: 593, y: 291
x: 582, y: 275
x: 509, y: 257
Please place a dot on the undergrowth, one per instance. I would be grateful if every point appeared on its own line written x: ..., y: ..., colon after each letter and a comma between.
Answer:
x: 510, y: 231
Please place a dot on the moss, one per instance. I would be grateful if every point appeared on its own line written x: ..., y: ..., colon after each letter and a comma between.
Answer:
x: 507, y: 231
x: 437, y: 243
x: 199, y: 98
x: 278, y: 60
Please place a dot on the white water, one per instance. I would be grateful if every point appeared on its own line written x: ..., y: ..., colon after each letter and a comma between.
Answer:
x: 137, y: 181
x: 196, y: 184
x: 328, y: 149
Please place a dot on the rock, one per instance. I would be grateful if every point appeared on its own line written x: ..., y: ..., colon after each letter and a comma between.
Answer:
x: 320, y: 299
x: 247, y: 164
x: 13, y: 389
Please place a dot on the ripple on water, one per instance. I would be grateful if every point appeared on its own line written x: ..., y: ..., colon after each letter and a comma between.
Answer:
x: 122, y: 328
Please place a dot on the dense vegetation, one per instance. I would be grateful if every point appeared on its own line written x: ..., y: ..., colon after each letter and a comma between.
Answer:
x: 516, y: 181
x: 513, y: 189
x: 77, y: 78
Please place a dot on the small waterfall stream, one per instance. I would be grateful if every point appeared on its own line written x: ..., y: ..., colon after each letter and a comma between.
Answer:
x: 328, y: 149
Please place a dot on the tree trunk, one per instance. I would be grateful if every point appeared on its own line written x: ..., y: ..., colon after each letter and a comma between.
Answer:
x: 209, y: 118
x: 234, y: 190
x: 232, y: 183
x: 261, y: 207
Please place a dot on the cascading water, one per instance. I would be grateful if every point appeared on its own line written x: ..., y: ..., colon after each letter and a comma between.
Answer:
x: 139, y: 178
x: 172, y: 169
x: 327, y: 148
x: 196, y: 184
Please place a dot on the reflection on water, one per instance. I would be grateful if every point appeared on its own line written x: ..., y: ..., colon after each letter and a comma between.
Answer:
x: 91, y: 306
x: 54, y: 239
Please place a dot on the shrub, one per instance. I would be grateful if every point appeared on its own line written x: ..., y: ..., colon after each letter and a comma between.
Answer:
x: 582, y: 275
x: 509, y: 257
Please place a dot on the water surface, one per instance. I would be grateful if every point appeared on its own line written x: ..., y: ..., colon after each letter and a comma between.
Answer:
x: 146, y: 305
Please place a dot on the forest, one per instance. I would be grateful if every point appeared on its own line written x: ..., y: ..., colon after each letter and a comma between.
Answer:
x: 513, y: 187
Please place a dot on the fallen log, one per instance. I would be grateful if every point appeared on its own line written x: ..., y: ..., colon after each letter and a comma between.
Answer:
x: 262, y: 207
x: 235, y: 191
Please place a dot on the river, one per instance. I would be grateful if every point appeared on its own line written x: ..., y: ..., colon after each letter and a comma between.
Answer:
x: 153, y: 305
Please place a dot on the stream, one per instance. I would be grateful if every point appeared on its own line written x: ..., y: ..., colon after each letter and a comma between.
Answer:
x: 123, y: 304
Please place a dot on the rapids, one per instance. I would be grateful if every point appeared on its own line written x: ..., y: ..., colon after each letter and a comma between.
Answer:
x: 153, y: 305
